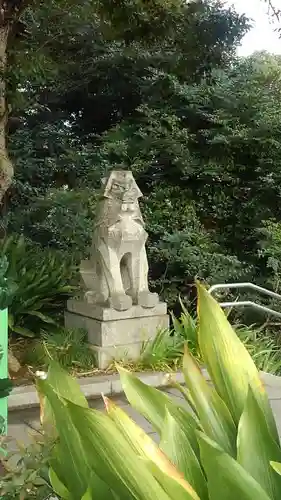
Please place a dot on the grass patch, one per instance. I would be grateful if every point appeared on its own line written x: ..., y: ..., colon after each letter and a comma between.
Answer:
x: 67, y: 347
x: 163, y: 353
x: 263, y: 346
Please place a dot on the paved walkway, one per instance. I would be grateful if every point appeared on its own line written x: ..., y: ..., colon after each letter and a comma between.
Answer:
x: 25, y: 423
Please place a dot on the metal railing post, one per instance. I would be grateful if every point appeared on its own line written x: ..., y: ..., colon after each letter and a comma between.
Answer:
x: 243, y: 303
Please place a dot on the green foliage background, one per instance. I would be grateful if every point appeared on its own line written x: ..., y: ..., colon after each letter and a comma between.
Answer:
x: 158, y: 90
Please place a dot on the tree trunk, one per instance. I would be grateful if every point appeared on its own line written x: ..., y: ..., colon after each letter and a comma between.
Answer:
x: 6, y: 167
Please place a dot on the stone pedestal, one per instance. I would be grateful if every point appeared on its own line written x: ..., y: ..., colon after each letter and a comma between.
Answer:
x: 116, y: 335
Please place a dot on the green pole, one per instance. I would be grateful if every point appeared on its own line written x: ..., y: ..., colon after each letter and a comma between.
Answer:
x: 4, y: 363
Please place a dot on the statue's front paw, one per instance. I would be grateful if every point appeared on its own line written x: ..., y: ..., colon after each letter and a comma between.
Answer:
x: 147, y: 299
x: 120, y: 302
x: 95, y: 297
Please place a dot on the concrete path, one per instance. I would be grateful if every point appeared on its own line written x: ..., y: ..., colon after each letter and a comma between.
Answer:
x: 25, y: 423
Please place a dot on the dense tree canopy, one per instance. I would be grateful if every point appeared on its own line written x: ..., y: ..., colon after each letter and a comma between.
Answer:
x: 158, y: 90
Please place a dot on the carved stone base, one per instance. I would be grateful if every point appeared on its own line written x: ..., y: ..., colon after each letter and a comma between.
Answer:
x: 116, y: 335
x: 96, y: 311
x: 106, y: 355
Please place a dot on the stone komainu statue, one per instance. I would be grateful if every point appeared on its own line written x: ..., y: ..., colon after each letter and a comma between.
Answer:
x: 116, y: 274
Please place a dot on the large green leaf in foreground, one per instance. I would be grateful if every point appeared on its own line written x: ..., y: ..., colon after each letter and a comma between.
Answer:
x: 256, y: 448
x: 175, y: 444
x: 227, y: 480
x: 114, y: 460
x: 107, y: 456
x: 146, y: 448
x: 70, y: 460
x: 94, y: 455
x: 214, y: 416
x: 153, y: 405
x: 229, y: 364
x: 65, y: 387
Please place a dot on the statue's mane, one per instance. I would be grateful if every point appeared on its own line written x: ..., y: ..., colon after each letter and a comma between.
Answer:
x: 119, y: 175
x: 109, y: 210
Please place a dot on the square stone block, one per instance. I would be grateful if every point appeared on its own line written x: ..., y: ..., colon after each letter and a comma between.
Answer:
x: 118, y: 332
x: 106, y: 355
x: 96, y: 311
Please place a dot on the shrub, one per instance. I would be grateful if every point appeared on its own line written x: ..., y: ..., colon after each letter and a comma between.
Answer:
x: 185, y: 327
x: 227, y: 448
x: 26, y: 472
x: 270, y: 251
x: 166, y: 349
x: 7, y: 286
x: 263, y: 347
x: 44, y: 281
x: 180, y: 249
x: 68, y: 347
x: 162, y: 353
x: 62, y: 219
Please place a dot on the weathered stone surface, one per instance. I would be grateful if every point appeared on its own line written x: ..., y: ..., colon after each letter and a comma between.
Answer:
x: 96, y: 311
x: 117, y: 309
x: 116, y: 274
x: 126, y: 352
x: 23, y: 397
x: 118, y: 332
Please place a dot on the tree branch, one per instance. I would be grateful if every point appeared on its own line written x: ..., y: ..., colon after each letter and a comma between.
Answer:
x: 273, y: 10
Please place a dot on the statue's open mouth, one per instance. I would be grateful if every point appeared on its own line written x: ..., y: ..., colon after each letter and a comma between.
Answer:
x: 128, y: 199
x: 128, y: 207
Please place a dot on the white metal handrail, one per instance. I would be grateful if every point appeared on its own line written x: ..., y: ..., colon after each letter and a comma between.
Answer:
x: 247, y: 303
